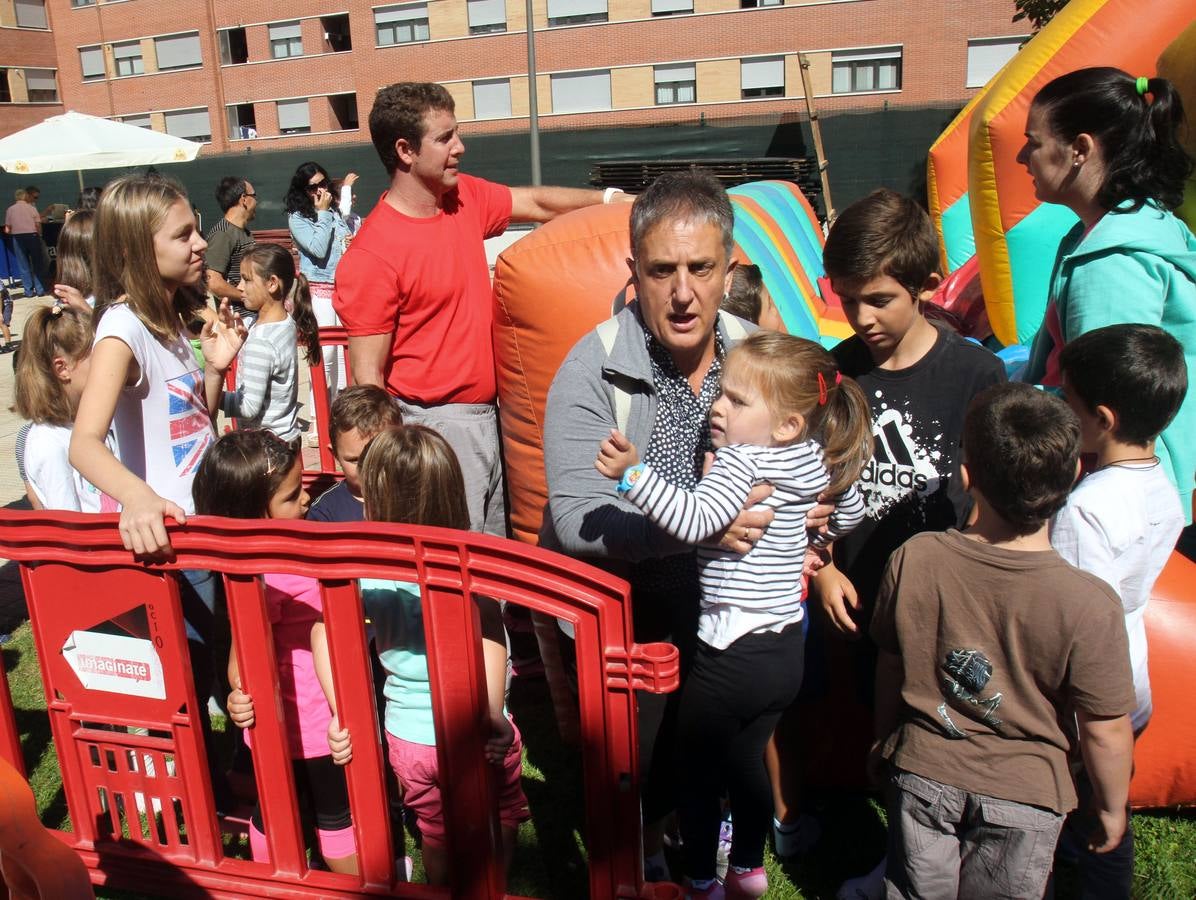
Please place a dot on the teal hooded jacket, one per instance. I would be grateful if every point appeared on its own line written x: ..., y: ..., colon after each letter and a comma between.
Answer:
x: 1133, y: 267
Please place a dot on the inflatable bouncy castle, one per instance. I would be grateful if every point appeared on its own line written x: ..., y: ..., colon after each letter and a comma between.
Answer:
x: 975, y: 179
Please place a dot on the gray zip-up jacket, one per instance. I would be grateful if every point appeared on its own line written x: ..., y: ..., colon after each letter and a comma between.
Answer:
x: 585, y: 517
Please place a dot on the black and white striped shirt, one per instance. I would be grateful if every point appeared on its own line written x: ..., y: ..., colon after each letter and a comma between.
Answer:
x: 762, y: 590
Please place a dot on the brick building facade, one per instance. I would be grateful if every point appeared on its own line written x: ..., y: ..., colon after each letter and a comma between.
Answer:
x: 239, y: 74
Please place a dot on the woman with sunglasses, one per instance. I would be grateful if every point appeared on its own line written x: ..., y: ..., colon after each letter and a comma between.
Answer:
x: 321, y: 235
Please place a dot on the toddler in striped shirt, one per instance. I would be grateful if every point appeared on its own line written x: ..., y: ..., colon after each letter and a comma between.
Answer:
x: 786, y: 417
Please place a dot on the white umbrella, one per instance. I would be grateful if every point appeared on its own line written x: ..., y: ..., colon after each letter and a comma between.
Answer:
x: 77, y: 141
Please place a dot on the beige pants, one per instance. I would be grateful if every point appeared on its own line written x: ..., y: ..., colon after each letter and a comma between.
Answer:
x: 945, y: 843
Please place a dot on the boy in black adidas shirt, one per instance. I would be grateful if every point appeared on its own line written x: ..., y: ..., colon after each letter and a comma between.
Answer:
x: 882, y: 259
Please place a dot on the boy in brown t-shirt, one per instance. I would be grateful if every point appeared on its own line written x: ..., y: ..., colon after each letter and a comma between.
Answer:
x: 991, y: 645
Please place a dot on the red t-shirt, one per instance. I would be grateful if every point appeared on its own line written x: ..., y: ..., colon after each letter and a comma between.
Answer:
x: 426, y: 280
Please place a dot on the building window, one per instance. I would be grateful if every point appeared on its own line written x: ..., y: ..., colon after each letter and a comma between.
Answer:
x: 234, y: 49
x: 192, y: 124
x: 492, y: 99
x: 294, y: 116
x: 336, y: 33
x: 40, y: 86
x: 78, y: 3
x: 178, y: 51
x: 486, y: 16
x: 877, y: 69
x: 581, y: 92
x: 762, y: 77
x: 675, y: 84
x: 576, y: 12
x: 242, y: 122
x: 986, y: 56
x: 758, y: 4
x: 672, y: 7
x: 285, y: 40
x: 141, y: 120
x: 30, y: 13
x: 128, y: 60
x: 401, y: 24
x: 91, y: 61
x: 344, y: 112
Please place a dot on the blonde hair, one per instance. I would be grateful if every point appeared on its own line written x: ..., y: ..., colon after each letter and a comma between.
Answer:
x: 50, y: 332
x: 130, y: 211
x: 410, y: 475
x: 798, y: 376
x: 19, y: 195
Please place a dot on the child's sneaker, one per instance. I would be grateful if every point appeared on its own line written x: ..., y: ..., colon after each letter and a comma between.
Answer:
x: 795, y: 838
x: 713, y: 890
x: 745, y: 884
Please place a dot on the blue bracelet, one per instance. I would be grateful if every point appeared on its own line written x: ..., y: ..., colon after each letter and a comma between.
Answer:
x: 630, y: 477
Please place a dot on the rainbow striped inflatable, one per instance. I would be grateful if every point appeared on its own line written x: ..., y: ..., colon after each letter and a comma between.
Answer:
x: 777, y: 230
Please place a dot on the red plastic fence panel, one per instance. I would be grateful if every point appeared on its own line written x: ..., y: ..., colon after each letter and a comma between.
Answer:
x: 110, y: 772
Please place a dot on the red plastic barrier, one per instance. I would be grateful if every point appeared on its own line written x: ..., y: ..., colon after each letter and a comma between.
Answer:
x: 109, y: 773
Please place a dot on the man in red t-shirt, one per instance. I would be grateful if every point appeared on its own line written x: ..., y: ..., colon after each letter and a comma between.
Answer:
x: 413, y: 288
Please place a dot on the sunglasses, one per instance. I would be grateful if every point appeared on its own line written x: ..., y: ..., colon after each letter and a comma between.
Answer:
x: 312, y: 188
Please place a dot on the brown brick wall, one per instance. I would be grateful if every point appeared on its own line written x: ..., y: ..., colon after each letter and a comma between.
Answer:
x: 934, y: 61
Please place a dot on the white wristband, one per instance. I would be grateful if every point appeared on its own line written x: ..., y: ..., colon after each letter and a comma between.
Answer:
x: 609, y: 193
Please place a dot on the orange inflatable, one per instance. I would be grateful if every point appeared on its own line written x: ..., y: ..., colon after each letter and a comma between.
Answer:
x: 550, y: 288
x: 1165, y: 766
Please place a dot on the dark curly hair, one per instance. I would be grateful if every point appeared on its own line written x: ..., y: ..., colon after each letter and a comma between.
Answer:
x: 298, y: 198
x: 1138, y: 133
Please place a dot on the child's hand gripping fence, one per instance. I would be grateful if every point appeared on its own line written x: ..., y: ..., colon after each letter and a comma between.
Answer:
x: 141, y: 803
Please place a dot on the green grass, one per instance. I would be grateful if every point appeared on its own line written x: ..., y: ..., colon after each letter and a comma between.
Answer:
x: 550, y: 860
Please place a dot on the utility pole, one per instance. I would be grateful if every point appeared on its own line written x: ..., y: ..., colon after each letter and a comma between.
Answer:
x: 533, y: 112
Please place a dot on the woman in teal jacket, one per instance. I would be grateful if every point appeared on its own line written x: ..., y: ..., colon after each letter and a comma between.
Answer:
x: 1105, y: 145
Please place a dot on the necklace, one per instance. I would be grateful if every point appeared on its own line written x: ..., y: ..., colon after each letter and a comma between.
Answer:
x: 1124, y: 463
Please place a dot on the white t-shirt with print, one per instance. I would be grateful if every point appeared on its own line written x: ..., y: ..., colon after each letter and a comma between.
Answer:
x: 161, y: 426
x: 1121, y: 524
x: 57, y: 484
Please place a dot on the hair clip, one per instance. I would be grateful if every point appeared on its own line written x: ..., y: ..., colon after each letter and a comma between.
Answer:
x: 1143, y: 85
x: 822, y: 389
x: 57, y: 308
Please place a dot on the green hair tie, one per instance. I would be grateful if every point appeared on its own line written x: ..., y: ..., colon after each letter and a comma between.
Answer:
x: 1143, y: 85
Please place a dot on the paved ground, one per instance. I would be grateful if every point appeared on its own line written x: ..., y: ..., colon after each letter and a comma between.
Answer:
x: 12, y: 490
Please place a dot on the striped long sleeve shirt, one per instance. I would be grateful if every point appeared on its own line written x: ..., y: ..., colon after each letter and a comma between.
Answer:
x: 761, y: 590
x: 267, y: 394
